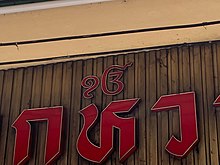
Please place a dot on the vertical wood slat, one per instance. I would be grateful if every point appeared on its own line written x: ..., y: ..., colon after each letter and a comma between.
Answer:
x: 152, y: 117
x: 142, y: 109
x: 56, y: 95
x: 5, y: 111
x: 119, y: 60
x: 66, y: 103
x: 162, y: 80
x: 129, y: 92
x: 108, y: 61
x: 14, y: 112
x: 75, y: 107
x: 148, y: 106
x: 187, y: 87
x: 26, y: 86
x: 217, y: 89
x: 45, y: 102
x: 205, y: 104
x: 192, y: 83
x: 1, y: 95
x: 210, y: 98
x: 154, y: 73
x: 173, y: 86
x: 136, y: 71
x: 115, y: 154
x: 98, y: 96
x: 36, y: 102
x: 87, y: 70
x: 159, y: 64
x: 200, y: 148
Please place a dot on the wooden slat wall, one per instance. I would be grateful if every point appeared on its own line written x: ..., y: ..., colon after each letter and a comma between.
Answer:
x: 155, y: 73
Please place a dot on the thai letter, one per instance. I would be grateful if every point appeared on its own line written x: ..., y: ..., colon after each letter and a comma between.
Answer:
x: 53, y: 116
x: 108, y: 121
x: 185, y: 103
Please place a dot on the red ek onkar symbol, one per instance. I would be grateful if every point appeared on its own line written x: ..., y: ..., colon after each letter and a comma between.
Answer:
x: 112, y: 74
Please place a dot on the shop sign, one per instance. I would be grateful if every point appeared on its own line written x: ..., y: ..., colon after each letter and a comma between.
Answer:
x: 109, y: 120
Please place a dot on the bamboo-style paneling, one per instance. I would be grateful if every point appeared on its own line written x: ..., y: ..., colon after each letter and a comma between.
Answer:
x: 153, y: 74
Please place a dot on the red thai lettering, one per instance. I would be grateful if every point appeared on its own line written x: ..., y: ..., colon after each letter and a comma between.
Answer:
x: 116, y: 75
x: 217, y: 102
x: 109, y: 121
x: 90, y: 83
x: 53, y: 116
x: 185, y: 102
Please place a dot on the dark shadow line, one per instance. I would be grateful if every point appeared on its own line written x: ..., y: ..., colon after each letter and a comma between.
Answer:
x: 184, y: 26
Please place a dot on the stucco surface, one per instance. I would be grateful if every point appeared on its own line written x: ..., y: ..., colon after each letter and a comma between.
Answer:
x: 102, y: 17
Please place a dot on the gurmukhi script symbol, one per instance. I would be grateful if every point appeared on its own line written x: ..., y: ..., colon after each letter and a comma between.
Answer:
x: 115, y: 72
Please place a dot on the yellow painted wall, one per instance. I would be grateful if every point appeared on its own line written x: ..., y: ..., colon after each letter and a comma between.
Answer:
x: 102, y: 17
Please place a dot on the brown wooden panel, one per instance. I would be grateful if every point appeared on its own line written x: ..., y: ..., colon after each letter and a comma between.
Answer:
x: 152, y: 117
x: 162, y: 80
x: 106, y: 100
x: 75, y: 107
x: 66, y: 103
x: 153, y: 74
x: 117, y: 60
x: 216, y: 51
x: 56, y: 96
x: 45, y: 102
x: 129, y: 92
x: 210, y: 98
x: 5, y: 112
x: 98, y: 96
x: 35, y: 103
x: 87, y: 70
x: 173, y: 86
x: 140, y: 83
x: 14, y: 112
x: 201, y: 151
